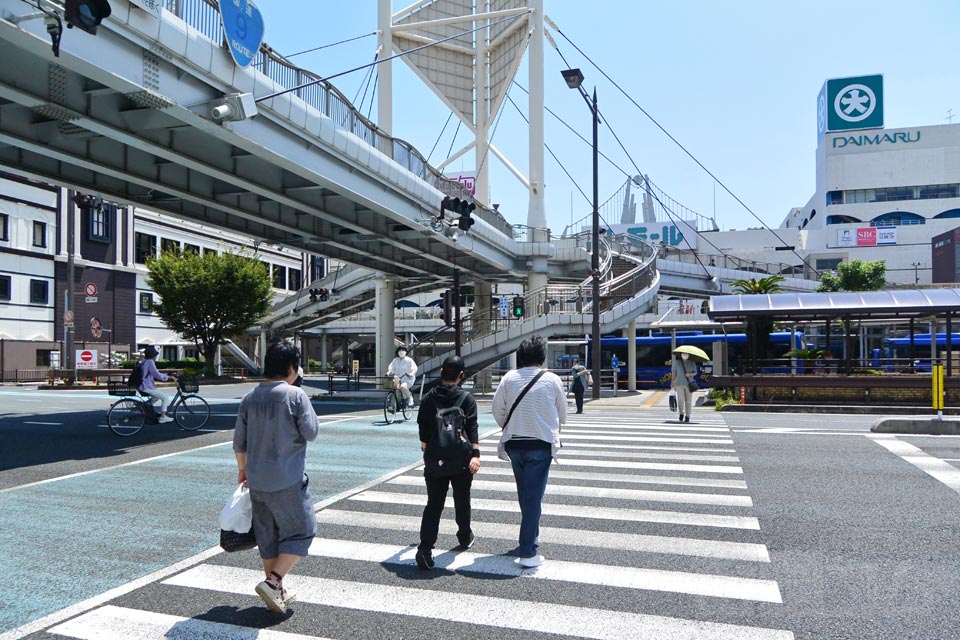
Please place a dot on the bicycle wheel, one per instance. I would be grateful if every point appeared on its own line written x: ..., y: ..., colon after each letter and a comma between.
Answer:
x: 192, y: 412
x: 390, y: 407
x: 407, y: 410
x: 126, y: 417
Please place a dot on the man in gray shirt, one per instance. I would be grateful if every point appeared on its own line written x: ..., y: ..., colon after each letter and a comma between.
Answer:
x: 274, y: 424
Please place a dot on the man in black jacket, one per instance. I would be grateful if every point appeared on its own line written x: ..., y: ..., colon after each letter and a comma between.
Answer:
x: 446, y: 396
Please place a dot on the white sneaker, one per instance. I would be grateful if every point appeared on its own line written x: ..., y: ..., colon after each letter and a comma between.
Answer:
x: 271, y: 597
x: 165, y: 419
x: 529, y: 563
x: 410, y: 403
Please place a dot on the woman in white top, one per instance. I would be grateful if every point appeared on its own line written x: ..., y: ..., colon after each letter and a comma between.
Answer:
x: 404, y: 372
x: 531, y: 436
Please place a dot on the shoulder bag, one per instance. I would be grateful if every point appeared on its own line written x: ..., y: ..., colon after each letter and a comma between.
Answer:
x: 520, y: 397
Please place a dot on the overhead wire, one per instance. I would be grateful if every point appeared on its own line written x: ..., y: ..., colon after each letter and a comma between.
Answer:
x: 683, y: 148
x: 332, y: 44
x: 442, y: 131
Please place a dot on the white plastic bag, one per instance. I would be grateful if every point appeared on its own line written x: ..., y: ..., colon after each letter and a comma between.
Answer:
x: 237, y: 515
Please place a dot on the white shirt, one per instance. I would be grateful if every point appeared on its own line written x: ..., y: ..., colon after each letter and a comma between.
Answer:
x: 540, y: 413
x: 403, y: 367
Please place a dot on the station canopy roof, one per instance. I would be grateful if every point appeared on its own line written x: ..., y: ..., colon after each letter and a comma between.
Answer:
x: 895, y: 303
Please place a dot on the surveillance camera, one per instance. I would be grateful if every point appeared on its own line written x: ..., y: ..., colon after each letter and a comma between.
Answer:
x: 221, y: 112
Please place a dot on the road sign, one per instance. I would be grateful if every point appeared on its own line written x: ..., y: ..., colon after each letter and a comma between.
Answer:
x: 504, y: 307
x: 243, y: 25
x: 615, y: 363
x: 90, y: 289
x: 86, y: 359
x: 68, y: 316
x: 90, y: 299
x: 356, y: 368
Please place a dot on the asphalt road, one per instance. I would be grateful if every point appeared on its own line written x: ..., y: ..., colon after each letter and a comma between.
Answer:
x: 735, y: 526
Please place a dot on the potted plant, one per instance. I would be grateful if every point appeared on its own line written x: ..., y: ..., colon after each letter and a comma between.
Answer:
x: 807, y: 355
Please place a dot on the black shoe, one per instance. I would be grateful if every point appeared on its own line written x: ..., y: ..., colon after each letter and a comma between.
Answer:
x: 687, y: 419
x: 681, y: 417
x: 469, y: 543
x: 424, y: 559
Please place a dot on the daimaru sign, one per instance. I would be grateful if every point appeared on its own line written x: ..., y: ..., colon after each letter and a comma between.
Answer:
x: 875, y: 139
x: 846, y: 104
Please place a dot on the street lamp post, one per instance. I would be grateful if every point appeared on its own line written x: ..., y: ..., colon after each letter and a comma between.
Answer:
x: 574, y: 80
x: 916, y: 272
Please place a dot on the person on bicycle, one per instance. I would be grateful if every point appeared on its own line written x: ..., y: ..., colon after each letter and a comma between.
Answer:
x: 404, y: 372
x: 148, y: 386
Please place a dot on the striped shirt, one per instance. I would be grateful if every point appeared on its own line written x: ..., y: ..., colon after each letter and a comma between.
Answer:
x: 540, y: 413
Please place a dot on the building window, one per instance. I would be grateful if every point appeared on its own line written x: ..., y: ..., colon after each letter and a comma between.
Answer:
x: 191, y: 248
x: 39, y: 234
x: 317, y: 270
x: 43, y: 358
x: 169, y: 354
x: 828, y: 264
x: 834, y: 197
x: 279, y: 277
x: 5, y: 288
x: 99, y: 219
x: 39, y: 291
x: 146, y: 302
x: 169, y: 244
x: 294, y: 276
x: 4, y: 227
x: 146, y: 247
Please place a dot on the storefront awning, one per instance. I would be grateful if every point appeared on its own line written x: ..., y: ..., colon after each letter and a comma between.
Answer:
x: 896, y: 303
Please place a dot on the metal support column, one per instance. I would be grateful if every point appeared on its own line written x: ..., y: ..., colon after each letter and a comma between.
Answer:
x: 385, y: 70
x: 385, y: 323
x: 631, y: 336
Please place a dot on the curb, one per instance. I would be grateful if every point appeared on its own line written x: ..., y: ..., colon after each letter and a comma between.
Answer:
x: 932, y: 426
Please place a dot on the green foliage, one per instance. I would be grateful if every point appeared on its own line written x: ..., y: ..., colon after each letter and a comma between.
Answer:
x: 769, y: 284
x: 209, y: 298
x: 854, y: 275
x: 805, y: 354
x: 867, y: 372
x: 721, y: 397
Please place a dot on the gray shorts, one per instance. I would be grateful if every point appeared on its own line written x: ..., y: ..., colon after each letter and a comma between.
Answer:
x: 284, y: 521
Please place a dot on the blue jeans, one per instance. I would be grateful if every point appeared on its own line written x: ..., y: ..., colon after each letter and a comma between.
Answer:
x: 531, y: 468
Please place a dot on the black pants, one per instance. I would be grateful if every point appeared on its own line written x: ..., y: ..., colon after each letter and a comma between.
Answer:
x: 578, y: 395
x: 436, y: 496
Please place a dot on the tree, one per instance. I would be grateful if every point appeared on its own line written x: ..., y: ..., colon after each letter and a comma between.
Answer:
x: 855, y: 275
x: 209, y: 298
x: 759, y: 328
x: 770, y: 284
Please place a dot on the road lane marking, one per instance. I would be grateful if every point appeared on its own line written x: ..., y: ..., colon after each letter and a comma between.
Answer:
x: 510, y: 613
x: 563, y: 474
x: 119, y: 623
x: 577, y: 511
x: 714, y: 499
x: 696, y: 547
x: 934, y: 467
x: 571, y: 450
x: 649, y: 466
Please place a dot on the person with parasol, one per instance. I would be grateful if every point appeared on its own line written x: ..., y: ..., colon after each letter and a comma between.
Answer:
x: 684, y: 374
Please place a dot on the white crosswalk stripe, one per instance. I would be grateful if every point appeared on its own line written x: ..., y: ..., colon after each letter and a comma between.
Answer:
x: 655, y: 511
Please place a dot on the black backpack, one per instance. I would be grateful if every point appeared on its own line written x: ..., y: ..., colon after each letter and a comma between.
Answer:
x: 136, y: 376
x: 448, y: 451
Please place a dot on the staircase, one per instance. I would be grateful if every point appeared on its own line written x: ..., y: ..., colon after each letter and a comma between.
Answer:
x: 628, y: 289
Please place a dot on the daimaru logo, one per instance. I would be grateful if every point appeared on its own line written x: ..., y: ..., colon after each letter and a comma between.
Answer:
x: 867, y: 140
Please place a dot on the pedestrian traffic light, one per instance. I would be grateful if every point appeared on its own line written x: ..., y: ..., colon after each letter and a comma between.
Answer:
x: 314, y: 294
x: 518, y: 309
x: 324, y: 295
x: 85, y: 15
x: 448, y: 307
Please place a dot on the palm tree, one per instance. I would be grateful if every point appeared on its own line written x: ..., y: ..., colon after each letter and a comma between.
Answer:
x: 761, y: 326
x: 770, y: 284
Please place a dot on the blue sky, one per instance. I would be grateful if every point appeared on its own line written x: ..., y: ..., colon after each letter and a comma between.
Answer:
x: 735, y: 82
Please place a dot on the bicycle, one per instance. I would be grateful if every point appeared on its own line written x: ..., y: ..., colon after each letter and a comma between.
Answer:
x: 393, y: 401
x: 128, y: 415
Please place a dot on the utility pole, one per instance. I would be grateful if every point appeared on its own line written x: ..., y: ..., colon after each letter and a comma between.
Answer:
x: 71, y: 285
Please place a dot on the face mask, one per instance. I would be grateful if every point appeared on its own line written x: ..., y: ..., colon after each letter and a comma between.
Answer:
x: 401, y: 354
x: 685, y: 356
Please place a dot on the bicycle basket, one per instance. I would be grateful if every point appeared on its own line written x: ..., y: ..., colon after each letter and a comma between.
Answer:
x: 188, y: 384
x: 120, y: 388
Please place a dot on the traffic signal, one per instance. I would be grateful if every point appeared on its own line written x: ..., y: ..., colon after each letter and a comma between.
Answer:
x: 324, y: 295
x: 86, y: 15
x: 319, y: 294
x: 448, y: 307
x: 463, y: 208
x: 87, y: 201
x: 518, y: 309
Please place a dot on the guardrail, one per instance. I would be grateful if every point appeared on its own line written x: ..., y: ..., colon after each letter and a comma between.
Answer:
x: 204, y: 16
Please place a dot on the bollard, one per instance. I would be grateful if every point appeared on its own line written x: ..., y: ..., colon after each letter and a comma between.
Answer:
x: 743, y: 395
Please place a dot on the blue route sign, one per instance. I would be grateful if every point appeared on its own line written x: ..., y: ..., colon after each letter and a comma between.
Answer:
x: 243, y: 26
x: 615, y: 363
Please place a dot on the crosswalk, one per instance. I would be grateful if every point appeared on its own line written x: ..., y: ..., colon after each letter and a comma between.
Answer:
x: 647, y: 530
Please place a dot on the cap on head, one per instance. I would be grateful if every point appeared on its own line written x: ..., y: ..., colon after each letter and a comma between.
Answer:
x: 451, y: 368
